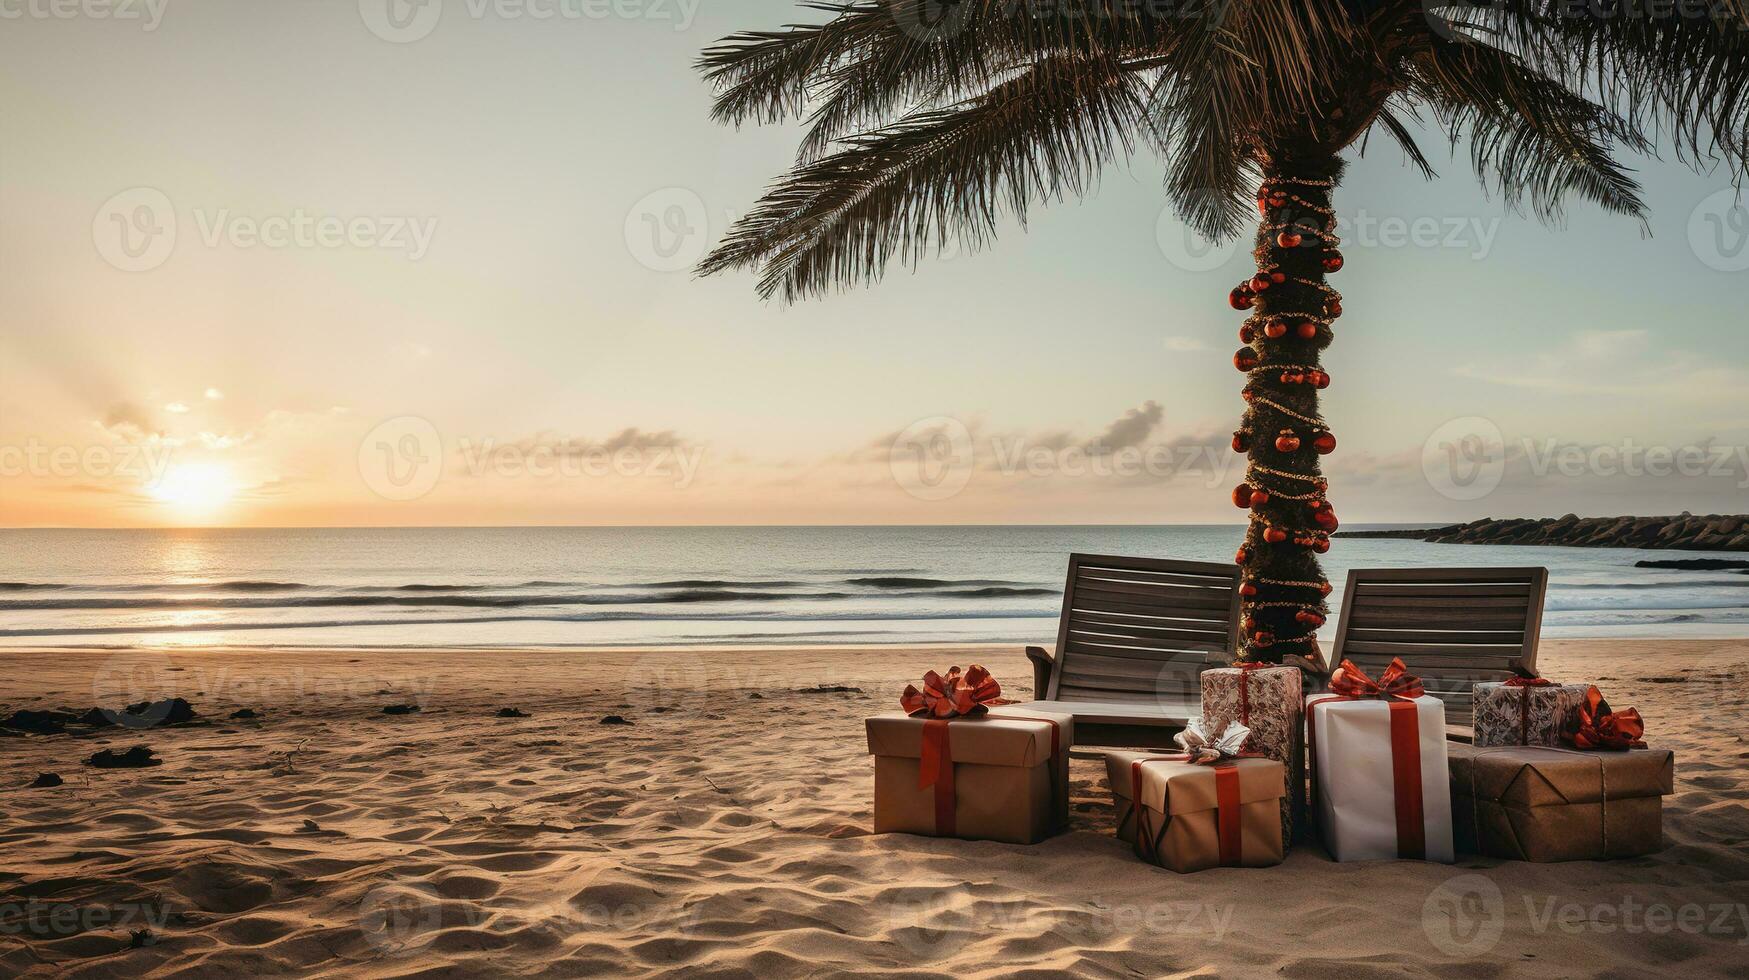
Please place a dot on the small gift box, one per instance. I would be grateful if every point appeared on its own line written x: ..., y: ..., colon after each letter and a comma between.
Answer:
x: 1525, y: 711
x: 1535, y: 803
x: 950, y: 767
x: 1270, y: 701
x: 1378, y: 761
x: 1189, y: 817
x: 977, y: 778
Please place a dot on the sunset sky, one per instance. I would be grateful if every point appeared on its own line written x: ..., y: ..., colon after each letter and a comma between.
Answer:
x: 285, y: 264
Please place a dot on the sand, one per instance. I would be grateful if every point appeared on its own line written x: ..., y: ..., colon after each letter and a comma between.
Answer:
x: 725, y: 832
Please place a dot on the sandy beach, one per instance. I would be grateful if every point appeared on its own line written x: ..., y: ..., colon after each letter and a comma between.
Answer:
x: 725, y: 832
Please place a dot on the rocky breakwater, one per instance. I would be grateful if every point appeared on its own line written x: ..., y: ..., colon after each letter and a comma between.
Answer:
x: 1713, y: 532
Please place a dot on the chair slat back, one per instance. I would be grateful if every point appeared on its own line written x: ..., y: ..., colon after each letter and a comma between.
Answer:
x: 1452, y: 626
x: 1137, y: 629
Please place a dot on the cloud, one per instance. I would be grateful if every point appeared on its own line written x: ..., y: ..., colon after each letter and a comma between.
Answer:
x: 214, y: 395
x: 129, y: 423
x: 577, y: 447
x: 176, y: 408
x: 1131, y: 429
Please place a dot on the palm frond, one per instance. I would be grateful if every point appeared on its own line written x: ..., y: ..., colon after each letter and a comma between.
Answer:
x: 1529, y: 135
x: 936, y: 176
x: 765, y: 76
x: 1673, y: 70
x: 1391, y: 124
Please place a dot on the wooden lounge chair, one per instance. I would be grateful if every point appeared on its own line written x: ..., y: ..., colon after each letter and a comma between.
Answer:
x: 1135, y: 635
x: 1452, y: 627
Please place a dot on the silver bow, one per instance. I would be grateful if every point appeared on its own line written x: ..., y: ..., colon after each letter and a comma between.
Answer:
x: 1205, y: 749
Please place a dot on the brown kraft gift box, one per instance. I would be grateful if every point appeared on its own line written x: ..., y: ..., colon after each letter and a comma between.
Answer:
x: 1000, y: 777
x: 1535, y: 803
x: 1181, y: 816
x: 1272, y: 704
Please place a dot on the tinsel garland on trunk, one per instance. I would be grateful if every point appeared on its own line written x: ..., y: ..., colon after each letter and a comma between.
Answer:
x: 1292, y: 313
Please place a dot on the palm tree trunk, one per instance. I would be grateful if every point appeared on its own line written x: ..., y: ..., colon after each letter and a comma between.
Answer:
x: 1283, y: 434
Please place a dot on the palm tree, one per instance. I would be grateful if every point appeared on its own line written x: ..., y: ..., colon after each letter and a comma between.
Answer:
x: 929, y: 121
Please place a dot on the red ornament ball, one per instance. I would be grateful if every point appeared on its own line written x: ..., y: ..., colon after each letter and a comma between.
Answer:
x: 1325, y: 443
x: 1242, y: 495
x: 1247, y: 333
x: 1275, y: 329
x: 1321, y: 545
x: 1333, y: 262
x: 1248, y: 395
x: 1240, y: 299
x: 1287, y: 442
x: 1248, y: 590
x: 1262, y: 638
x: 1274, y: 535
x: 1242, y: 556
x: 1259, y: 497
x: 1333, y: 308
x: 1241, y: 441
x: 1325, y: 587
x: 1278, y: 277
x: 1245, y: 359
x: 1326, y: 520
x: 1277, y: 199
x: 1289, y: 239
x: 1307, y: 330
x: 1260, y: 282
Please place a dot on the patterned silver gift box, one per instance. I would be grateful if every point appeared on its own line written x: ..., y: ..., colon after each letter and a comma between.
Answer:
x: 1512, y: 715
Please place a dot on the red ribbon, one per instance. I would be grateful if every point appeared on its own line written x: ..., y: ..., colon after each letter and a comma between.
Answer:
x: 1245, y: 668
x: 953, y: 694
x: 1396, y: 682
x: 1228, y: 835
x: 1395, y: 686
x: 1524, y: 703
x: 1600, y: 727
x: 935, y: 767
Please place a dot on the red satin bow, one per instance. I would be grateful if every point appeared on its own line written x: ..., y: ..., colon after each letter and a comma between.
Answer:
x: 1529, y: 682
x: 1396, y: 682
x: 953, y: 694
x: 1600, y: 727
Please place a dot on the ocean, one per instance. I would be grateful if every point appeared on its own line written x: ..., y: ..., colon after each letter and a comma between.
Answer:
x: 711, y: 586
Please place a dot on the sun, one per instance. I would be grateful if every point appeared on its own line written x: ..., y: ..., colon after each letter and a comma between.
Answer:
x: 195, y: 488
